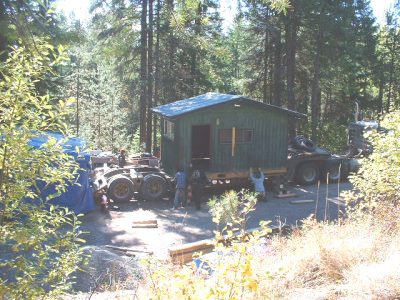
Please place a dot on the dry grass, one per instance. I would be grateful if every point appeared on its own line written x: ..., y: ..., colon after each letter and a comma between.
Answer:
x: 357, y: 260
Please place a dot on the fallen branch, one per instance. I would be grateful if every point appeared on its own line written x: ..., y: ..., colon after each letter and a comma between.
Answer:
x: 123, y: 249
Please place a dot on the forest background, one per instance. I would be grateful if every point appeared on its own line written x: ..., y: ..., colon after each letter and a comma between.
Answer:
x: 318, y: 57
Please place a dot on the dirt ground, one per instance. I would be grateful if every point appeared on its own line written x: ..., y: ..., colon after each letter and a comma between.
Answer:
x: 188, y: 225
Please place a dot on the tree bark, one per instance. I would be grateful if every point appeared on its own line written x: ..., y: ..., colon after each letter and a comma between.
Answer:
x: 156, y: 72
x: 150, y: 73
x: 3, y: 39
x: 291, y: 34
x: 316, y: 89
x: 277, y: 68
x: 266, y: 61
x: 170, y: 90
x: 143, y: 72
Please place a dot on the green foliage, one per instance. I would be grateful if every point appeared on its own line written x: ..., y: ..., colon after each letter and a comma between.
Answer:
x: 378, y: 180
x: 39, y: 242
x: 230, y: 212
x: 233, y: 272
x: 331, y: 136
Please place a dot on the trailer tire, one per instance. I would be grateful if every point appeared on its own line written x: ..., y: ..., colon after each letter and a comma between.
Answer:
x: 307, y: 173
x: 120, y: 188
x: 332, y: 174
x: 302, y: 143
x: 154, y: 187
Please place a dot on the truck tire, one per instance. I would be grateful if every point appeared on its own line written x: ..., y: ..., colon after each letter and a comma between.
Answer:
x: 307, y: 173
x: 154, y: 187
x: 332, y: 174
x: 120, y: 188
x: 302, y: 143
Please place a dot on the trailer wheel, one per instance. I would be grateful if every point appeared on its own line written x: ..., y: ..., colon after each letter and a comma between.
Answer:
x: 120, y: 188
x: 154, y: 187
x: 307, y: 173
x: 333, y: 173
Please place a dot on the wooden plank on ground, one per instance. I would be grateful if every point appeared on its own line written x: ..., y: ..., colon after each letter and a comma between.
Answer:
x: 125, y: 249
x: 301, y: 201
x: 182, y: 254
x: 191, y: 247
x: 140, y: 225
x: 285, y: 195
x: 150, y: 221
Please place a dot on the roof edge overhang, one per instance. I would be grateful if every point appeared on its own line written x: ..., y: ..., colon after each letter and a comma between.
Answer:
x: 290, y: 113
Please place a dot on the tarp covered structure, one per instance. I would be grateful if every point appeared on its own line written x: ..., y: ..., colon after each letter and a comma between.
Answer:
x: 79, y: 195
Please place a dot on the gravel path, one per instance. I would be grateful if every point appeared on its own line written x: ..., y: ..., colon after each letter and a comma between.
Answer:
x: 188, y: 225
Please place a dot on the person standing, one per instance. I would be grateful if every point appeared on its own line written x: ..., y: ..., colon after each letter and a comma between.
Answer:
x: 122, y: 158
x: 180, y: 188
x: 198, y: 181
x: 257, y: 179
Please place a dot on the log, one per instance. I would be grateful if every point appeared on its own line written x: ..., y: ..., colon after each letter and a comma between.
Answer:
x: 139, y: 225
x: 191, y: 247
x: 182, y: 254
x: 124, y: 249
x: 182, y: 259
x: 285, y: 195
x: 301, y: 201
x: 152, y: 221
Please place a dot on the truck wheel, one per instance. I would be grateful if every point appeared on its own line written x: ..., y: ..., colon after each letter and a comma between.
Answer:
x: 120, y: 188
x: 332, y: 172
x: 307, y: 173
x: 154, y: 187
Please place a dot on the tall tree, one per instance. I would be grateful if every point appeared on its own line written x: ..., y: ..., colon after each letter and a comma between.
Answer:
x: 143, y: 72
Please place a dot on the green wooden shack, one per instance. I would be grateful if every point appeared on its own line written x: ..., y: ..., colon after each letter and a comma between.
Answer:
x: 224, y: 134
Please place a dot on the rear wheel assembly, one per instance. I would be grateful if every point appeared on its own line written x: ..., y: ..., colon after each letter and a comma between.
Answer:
x: 120, y: 188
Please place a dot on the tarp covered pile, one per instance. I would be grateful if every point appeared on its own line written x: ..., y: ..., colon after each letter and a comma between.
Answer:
x: 79, y: 195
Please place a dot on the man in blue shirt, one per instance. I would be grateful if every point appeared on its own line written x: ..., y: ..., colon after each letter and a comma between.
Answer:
x: 257, y: 178
x: 180, y: 188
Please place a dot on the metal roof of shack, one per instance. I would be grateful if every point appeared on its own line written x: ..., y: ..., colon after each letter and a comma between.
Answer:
x: 178, y: 108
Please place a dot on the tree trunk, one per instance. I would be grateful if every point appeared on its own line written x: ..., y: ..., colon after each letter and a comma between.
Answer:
x: 143, y: 72
x: 277, y: 68
x: 316, y: 89
x: 266, y: 61
x: 3, y: 39
x: 170, y: 89
x: 150, y: 80
x: 291, y: 34
x: 156, y: 72
x: 78, y: 87
x: 380, y: 94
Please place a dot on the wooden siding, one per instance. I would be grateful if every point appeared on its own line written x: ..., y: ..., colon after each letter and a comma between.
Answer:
x: 267, y: 150
x: 169, y: 151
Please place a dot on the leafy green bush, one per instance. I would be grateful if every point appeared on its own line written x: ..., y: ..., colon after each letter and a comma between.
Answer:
x: 39, y: 243
x: 231, y: 211
x: 232, y: 273
x: 378, y: 179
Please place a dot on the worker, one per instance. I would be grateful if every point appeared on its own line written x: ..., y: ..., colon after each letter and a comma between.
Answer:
x: 180, y: 188
x: 122, y: 158
x: 257, y: 177
x: 198, y: 181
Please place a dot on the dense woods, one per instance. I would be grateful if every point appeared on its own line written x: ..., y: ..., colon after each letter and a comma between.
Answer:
x: 316, y: 57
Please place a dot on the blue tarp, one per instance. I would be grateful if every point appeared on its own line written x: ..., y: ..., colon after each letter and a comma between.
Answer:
x: 79, y: 195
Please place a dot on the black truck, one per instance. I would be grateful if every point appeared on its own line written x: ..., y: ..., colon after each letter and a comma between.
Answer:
x: 308, y: 163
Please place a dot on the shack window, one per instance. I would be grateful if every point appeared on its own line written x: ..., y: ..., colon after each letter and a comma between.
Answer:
x: 242, y: 136
x: 169, y: 129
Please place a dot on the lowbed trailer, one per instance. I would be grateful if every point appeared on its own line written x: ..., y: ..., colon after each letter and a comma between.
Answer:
x: 121, y: 184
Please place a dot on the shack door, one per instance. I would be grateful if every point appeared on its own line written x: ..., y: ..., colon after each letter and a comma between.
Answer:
x: 201, y: 146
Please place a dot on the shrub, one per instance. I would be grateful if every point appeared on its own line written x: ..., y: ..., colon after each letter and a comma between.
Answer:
x: 378, y: 179
x: 38, y: 241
